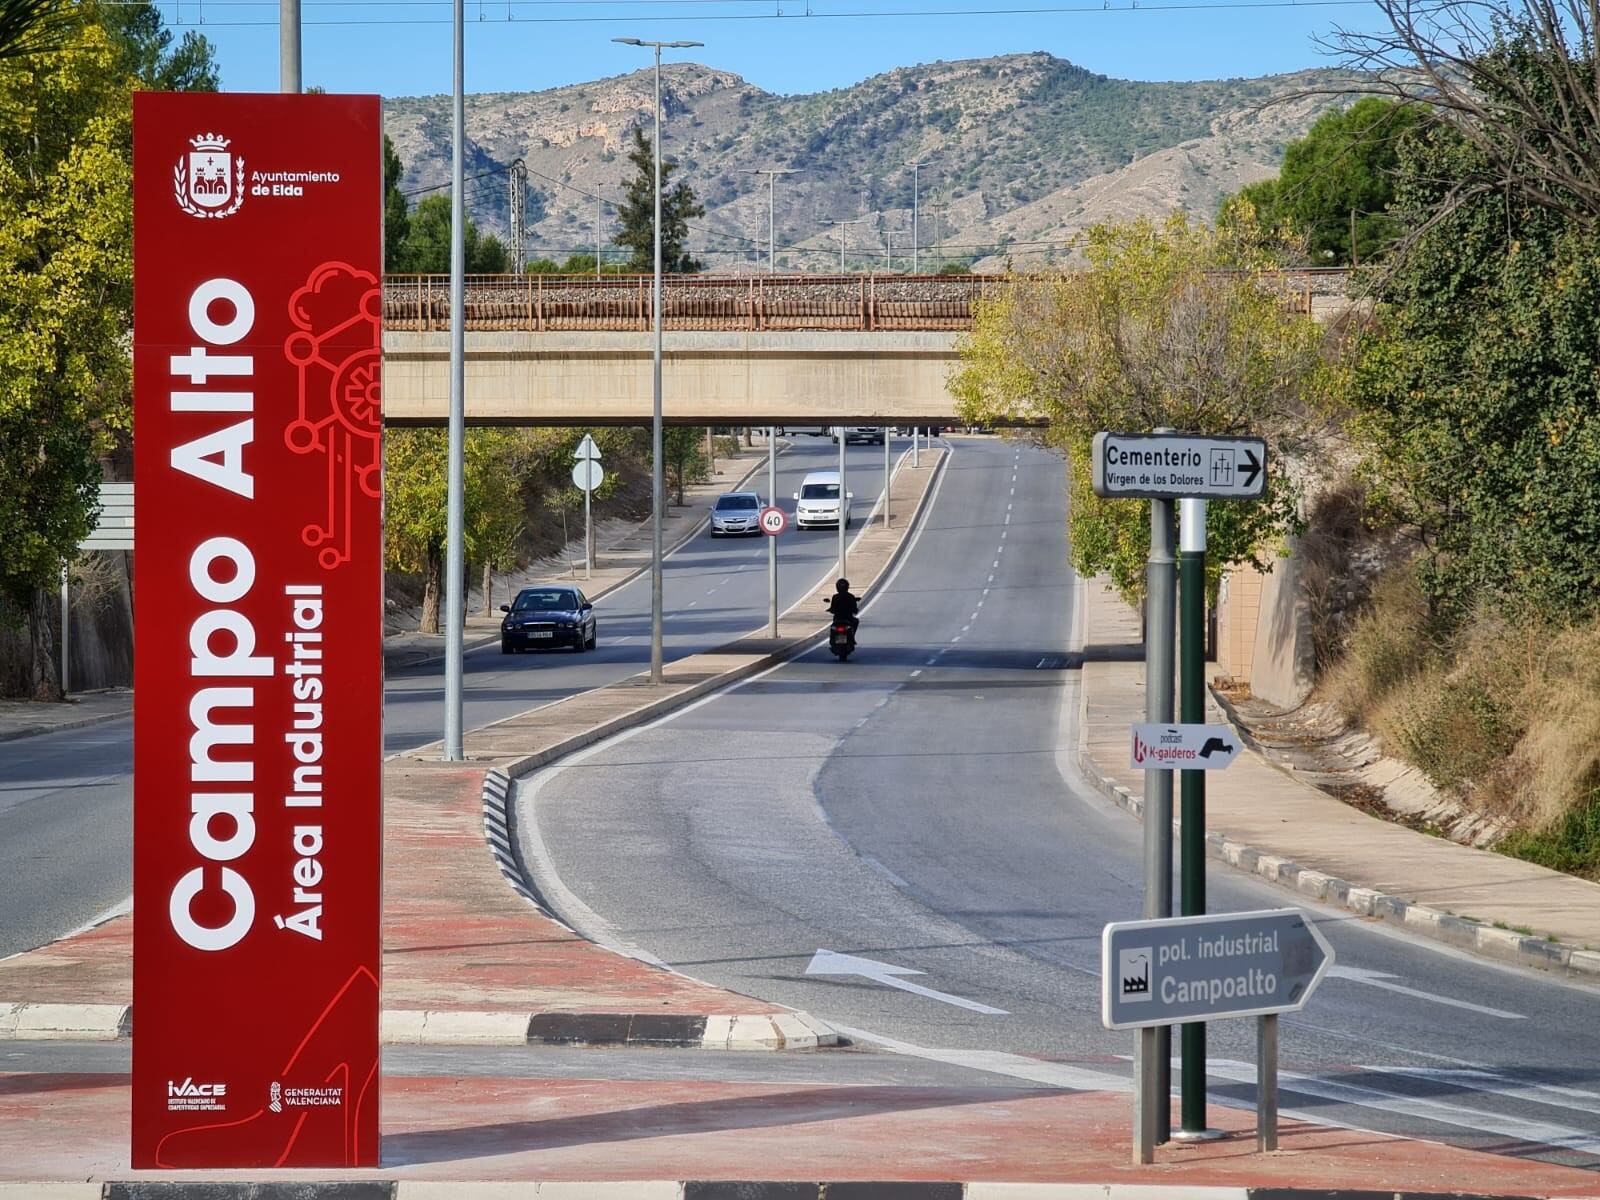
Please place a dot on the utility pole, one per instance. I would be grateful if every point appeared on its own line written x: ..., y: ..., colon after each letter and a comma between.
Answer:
x: 916, y: 194
x: 843, y: 236
x: 656, y: 474
x: 772, y: 174
x: 597, y: 203
x: 455, y: 502
x: 517, y: 183
x: 288, y: 45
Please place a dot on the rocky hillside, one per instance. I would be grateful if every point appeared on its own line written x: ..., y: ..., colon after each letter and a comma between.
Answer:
x: 1019, y: 151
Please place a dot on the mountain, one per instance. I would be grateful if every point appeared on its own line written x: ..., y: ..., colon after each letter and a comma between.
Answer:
x: 1020, y: 151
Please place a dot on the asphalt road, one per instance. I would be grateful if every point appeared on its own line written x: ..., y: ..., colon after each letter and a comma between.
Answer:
x: 66, y: 799
x: 912, y: 807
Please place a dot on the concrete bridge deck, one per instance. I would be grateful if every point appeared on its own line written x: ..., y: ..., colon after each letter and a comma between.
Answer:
x: 750, y: 349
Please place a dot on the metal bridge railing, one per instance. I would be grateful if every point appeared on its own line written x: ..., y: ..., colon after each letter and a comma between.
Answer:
x: 857, y: 303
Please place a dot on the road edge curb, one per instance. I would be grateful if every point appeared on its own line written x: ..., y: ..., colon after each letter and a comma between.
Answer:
x: 690, y: 1189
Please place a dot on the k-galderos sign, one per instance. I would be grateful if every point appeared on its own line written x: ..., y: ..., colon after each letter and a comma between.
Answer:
x: 258, y: 712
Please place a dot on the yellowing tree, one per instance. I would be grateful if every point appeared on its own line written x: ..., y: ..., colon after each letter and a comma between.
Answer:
x: 65, y: 295
x: 1166, y: 325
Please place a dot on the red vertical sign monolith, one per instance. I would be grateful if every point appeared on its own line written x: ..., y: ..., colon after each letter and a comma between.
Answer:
x: 259, y: 682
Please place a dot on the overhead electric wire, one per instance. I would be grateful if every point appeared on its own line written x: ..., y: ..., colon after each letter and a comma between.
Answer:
x: 484, y: 17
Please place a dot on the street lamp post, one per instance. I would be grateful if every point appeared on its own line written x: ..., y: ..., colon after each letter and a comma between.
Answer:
x: 772, y: 174
x: 455, y: 601
x: 656, y: 484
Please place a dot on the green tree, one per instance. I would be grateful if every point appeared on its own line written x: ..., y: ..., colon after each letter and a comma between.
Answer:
x: 396, y: 217
x: 65, y: 297
x: 148, y: 54
x: 1168, y: 325
x: 683, y: 457
x: 637, y: 214
x: 415, y: 474
x: 1338, y: 178
x: 426, y: 245
x: 1477, y: 399
x: 33, y: 27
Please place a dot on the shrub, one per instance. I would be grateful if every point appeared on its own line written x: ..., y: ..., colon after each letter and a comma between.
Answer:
x: 1390, y: 643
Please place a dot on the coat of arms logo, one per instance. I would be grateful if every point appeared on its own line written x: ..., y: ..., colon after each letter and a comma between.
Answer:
x: 210, y: 182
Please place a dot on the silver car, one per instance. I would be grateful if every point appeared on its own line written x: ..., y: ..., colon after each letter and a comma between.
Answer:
x: 735, y: 513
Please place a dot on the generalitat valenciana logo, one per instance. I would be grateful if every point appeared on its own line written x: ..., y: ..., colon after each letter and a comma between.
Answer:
x: 209, y: 181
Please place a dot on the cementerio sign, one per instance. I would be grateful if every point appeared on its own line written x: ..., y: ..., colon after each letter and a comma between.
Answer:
x: 258, y: 712
x: 1175, y: 466
x: 1178, y: 969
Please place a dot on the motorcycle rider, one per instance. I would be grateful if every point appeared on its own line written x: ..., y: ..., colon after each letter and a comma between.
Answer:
x: 844, y: 607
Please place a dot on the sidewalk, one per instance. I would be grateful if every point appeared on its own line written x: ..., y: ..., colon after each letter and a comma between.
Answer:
x: 1262, y: 819
x: 25, y: 718
x: 473, y: 1132
x: 467, y: 958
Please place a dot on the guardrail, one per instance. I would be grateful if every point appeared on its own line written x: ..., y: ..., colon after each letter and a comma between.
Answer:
x: 855, y: 303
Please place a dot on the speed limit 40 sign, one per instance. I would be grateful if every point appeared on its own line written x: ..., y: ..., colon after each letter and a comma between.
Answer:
x: 773, y: 521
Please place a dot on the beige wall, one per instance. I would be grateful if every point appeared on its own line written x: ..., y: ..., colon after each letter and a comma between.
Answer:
x: 1237, y: 611
x: 734, y: 378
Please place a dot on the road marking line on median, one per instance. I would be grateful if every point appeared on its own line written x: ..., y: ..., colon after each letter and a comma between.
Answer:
x: 1380, y: 979
x: 1359, y: 1096
x: 918, y: 671
x: 997, y: 1062
x: 991, y: 578
x: 996, y: 563
x: 929, y: 663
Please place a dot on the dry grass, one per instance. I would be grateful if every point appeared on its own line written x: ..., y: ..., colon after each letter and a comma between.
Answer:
x: 1505, y: 715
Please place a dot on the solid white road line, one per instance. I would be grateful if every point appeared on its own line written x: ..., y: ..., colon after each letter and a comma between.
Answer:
x: 1380, y: 979
x: 997, y: 1062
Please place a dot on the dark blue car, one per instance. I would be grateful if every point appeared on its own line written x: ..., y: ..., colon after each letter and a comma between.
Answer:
x: 554, y: 614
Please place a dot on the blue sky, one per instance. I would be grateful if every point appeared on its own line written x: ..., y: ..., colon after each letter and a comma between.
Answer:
x: 402, y: 47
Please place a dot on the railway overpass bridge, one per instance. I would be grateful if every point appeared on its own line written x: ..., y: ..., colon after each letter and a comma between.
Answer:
x: 740, y: 350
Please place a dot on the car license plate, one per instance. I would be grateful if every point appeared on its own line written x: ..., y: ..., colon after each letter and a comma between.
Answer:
x: 545, y: 633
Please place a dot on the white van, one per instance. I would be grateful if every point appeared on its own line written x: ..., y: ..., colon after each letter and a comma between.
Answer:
x: 817, y: 501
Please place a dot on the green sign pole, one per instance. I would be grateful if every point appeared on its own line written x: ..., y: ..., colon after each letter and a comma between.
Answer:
x: 1192, y: 794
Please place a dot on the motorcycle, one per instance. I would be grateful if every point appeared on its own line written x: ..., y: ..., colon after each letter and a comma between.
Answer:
x: 841, y: 640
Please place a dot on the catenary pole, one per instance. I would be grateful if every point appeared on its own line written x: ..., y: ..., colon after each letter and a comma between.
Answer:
x: 455, y: 600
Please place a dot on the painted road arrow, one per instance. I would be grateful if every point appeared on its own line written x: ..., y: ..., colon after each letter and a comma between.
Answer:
x: 1181, y: 969
x: 826, y: 962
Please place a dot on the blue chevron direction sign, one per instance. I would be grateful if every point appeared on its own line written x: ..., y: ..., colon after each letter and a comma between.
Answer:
x: 1179, y: 969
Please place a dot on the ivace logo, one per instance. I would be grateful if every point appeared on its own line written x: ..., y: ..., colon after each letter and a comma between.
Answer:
x: 210, y: 183
x: 190, y: 1096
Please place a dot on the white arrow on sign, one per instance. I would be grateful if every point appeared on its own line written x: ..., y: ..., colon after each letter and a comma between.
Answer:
x: 827, y: 962
x: 587, y: 450
x: 1183, y: 747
